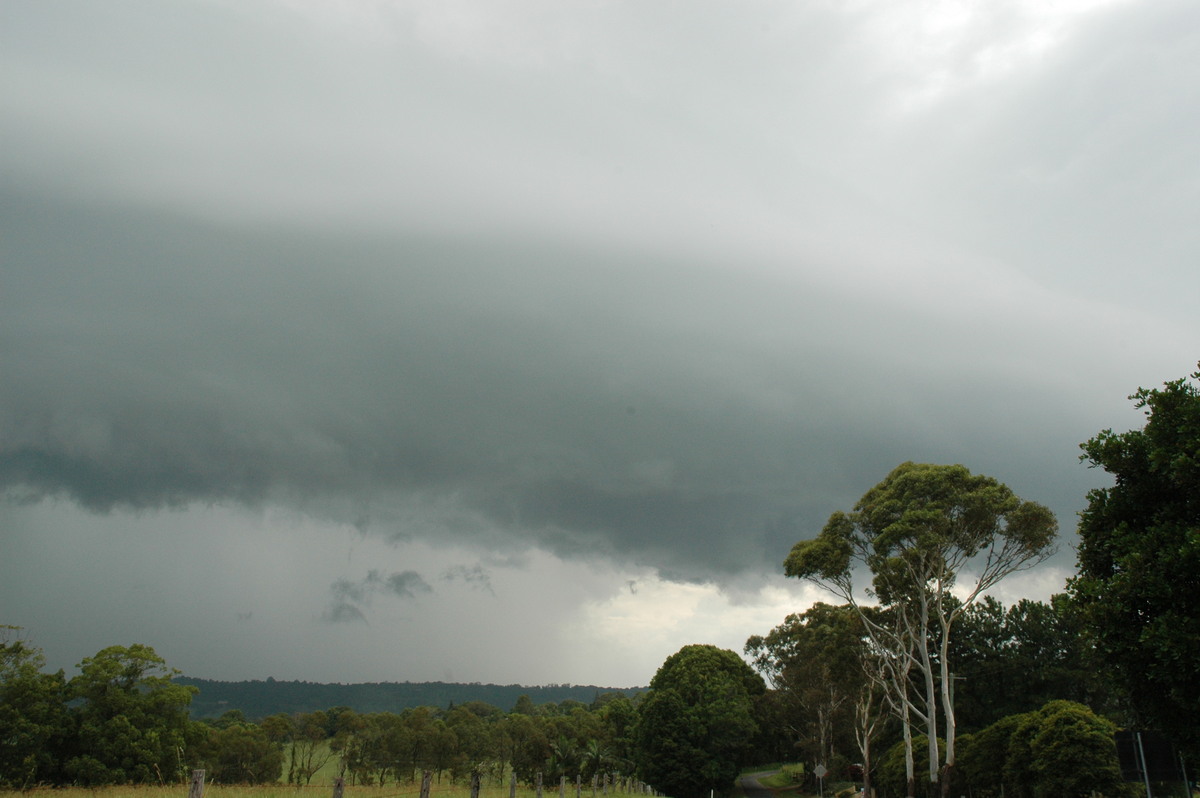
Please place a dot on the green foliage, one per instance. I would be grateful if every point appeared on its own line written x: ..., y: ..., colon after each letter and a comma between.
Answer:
x: 1139, y: 560
x: 892, y: 781
x: 1063, y: 750
x: 696, y: 725
x: 794, y: 773
x: 240, y: 753
x: 813, y: 661
x: 33, y: 716
x: 123, y: 719
x: 918, y: 532
x: 131, y: 721
x: 1012, y: 661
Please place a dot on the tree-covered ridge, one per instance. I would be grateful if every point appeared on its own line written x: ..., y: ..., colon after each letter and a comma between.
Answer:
x: 258, y: 699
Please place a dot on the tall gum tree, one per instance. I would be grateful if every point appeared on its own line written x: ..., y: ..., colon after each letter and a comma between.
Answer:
x: 927, y: 534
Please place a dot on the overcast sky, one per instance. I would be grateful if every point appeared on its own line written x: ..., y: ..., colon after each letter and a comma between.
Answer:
x: 519, y: 341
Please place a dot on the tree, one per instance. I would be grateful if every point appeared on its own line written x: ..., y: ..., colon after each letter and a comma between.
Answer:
x: 696, y: 724
x: 894, y: 780
x: 310, y: 749
x: 528, y: 746
x: 813, y: 659
x: 918, y: 531
x: 1015, y: 660
x: 131, y: 720
x: 1062, y: 749
x: 1074, y: 754
x: 241, y: 753
x: 618, y: 718
x: 1139, y: 560
x: 33, y: 714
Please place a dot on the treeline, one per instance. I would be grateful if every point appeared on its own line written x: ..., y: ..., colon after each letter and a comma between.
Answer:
x: 124, y: 719
x: 257, y: 699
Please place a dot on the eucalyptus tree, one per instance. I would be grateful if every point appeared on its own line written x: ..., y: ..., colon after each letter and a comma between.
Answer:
x: 923, y: 532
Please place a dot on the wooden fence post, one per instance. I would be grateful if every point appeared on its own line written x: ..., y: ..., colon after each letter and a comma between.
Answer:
x: 539, y: 784
x: 562, y: 787
x: 197, y: 788
x: 426, y: 782
x: 578, y: 784
x: 512, y: 785
x: 339, y: 785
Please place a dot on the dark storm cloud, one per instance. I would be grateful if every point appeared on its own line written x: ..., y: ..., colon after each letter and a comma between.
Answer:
x: 459, y: 287
x: 621, y: 405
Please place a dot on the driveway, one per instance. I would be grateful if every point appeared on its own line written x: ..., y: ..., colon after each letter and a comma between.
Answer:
x: 750, y: 785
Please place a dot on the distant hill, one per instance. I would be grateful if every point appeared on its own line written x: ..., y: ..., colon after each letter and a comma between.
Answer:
x: 258, y: 699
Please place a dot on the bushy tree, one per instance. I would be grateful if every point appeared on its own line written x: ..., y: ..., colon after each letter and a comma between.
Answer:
x: 1139, y: 560
x: 814, y: 662
x: 892, y: 780
x: 34, y: 724
x: 131, y: 722
x: 241, y: 753
x: 1074, y: 754
x: 696, y: 725
x: 618, y: 717
x: 1062, y: 750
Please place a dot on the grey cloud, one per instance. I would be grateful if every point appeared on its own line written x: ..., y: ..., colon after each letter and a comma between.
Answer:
x: 343, y: 612
x: 413, y: 381
x: 418, y: 286
x: 351, y: 597
x: 405, y: 584
x: 345, y: 591
x: 476, y: 576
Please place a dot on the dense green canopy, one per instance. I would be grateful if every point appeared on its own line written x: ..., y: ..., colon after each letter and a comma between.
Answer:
x: 1139, y: 560
x: 696, y: 725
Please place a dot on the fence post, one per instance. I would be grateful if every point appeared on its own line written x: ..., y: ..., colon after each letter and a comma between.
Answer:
x: 578, y: 785
x: 426, y: 782
x: 562, y: 787
x: 339, y: 784
x: 197, y: 788
x: 539, y: 784
x: 475, y: 780
x: 512, y: 785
